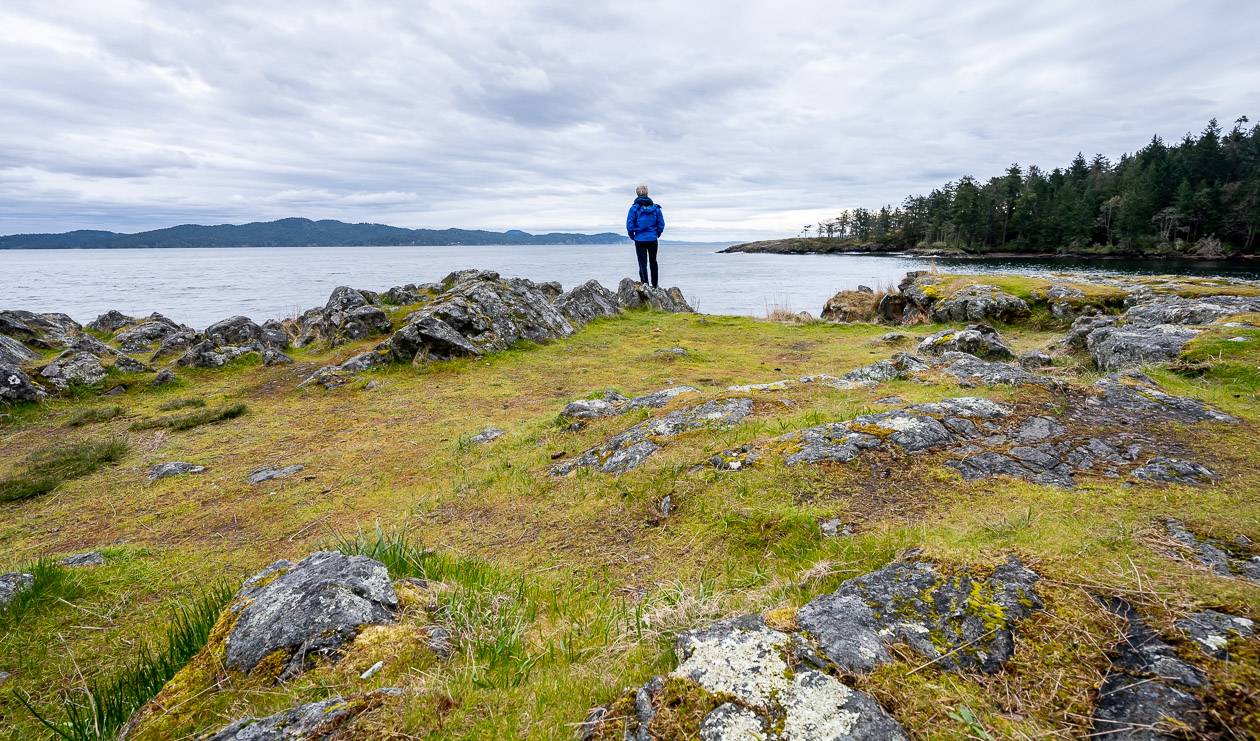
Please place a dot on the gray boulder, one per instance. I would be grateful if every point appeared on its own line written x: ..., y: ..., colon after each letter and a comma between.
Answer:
x: 174, y: 468
x: 980, y: 303
x: 551, y: 289
x: 658, y: 399
x: 479, y: 313
x: 960, y: 621
x: 979, y: 340
x: 969, y: 369
x: 48, y: 331
x: 349, y: 314
x: 634, y: 295
x: 13, y: 352
x: 164, y: 376
x: 587, y: 302
x: 1114, y: 348
x: 236, y: 330
x: 1212, y: 631
x: 12, y: 583
x: 16, y: 386
x: 1035, y: 359
x: 151, y: 330
x: 900, y: 365
x: 1078, y: 336
x: 206, y: 354
x: 110, y: 322
x: 309, y: 609
x: 175, y: 343
x: 73, y: 368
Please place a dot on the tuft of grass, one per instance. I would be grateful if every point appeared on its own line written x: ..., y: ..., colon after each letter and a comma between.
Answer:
x: 193, y: 419
x: 51, y: 581
x: 92, y: 415
x: 102, y: 707
x: 50, y: 467
x: 177, y: 404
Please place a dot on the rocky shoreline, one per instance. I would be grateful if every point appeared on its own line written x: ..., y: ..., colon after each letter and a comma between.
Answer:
x: 825, y: 246
x: 1086, y: 411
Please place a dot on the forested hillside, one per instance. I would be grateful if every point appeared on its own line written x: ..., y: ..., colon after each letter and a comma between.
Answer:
x: 1199, y: 196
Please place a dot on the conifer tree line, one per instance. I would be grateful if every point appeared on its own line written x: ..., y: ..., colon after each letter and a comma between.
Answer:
x: 1198, y: 197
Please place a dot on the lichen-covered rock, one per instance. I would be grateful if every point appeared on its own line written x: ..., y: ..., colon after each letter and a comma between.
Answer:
x: 756, y: 666
x: 850, y: 306
x: 1035, y: 359
x: 1114, y: 348
x: 658, y: 399
x: 1212, y: 631
x: 13, y: 352
x: 16, y: 386
x: 479, y: 313
x: 332, y: 376
x: 236, y: 330
x: 206, y: 354
x: 959, y: 621
x: 1198, y: 310
x: 151, y: 330
x: 979, y: 303
x: 979, y: 340
x: 349, y: 314
x: 309, y: 609
x: 1078, y: 336
x: 1174, y: 471
x: 631, y: 448
x: 175, y: 343
x: 130, y: 365
x: 900, y: 365
x: 73, y: 368
x: 612, y: 403
x: 1116, y: 398
x: 314, y: 721
x: 110, y: 322
x: 48, y: 331
x: 634, y: 295
x: 164, y: 376
x: 969, y: 369
x: 173, y: 468
x: 587, y: 302
x: 1148, y: 692
x: 12, y: 583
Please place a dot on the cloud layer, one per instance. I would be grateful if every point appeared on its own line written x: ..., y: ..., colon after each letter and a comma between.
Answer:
x: 748, y: 119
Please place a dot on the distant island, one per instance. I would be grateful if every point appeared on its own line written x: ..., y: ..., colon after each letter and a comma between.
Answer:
x: 1198, y: 198
x: 293, y: 232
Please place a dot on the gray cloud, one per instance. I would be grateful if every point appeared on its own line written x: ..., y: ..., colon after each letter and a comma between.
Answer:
x: 747, y: 119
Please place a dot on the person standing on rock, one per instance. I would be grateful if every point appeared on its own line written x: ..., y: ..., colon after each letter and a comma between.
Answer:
x: 644, y: 224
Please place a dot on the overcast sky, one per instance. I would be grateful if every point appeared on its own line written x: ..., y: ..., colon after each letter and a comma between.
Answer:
x: 747, y: 119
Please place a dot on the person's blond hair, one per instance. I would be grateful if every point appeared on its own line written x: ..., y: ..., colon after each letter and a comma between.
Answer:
x: 641, y: 190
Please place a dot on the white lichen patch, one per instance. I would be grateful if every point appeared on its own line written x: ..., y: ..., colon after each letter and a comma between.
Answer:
x: 815, y: 709
x: 746, y: 662
x: 730, y: 722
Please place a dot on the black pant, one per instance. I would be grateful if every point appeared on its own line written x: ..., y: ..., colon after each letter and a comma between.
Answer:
x: 646, y: 252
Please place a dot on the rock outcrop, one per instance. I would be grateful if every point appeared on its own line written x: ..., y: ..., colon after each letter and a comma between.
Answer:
x: 12, y: 583
x: 850, y: 306
x: 763, y: 689
x: 1218, y: 557
x: 631, y: 448
x: 979, y: 340
x: 634, y: 295
x: 977, y: 303
x: 587, y: 302
x: 960, y: 621
x: 289, y: 614
x: 1115, y: 348
x: 16, y: 386
x: 1149, y: 692
x: 314, y: 721
x: 1212, y: 631
x: 174, y: 468
x: 73, y: 368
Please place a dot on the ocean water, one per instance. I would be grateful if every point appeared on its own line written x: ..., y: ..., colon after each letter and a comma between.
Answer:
x: 199, y: 286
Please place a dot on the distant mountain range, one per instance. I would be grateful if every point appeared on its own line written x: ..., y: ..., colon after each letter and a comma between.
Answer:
x: 292, y: 233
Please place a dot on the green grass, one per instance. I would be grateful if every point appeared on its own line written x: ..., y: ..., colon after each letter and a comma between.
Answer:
x: 93, y: 415
x: 177, y: 404
x: 192, y: 419
x: 47, y: 468
x: 103, y: 706
x: 52, y: 581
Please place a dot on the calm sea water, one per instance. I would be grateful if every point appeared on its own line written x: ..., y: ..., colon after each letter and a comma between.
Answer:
x: 201, y: 286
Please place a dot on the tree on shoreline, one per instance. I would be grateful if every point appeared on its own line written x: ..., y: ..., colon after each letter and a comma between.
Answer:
x: 1199, y: 197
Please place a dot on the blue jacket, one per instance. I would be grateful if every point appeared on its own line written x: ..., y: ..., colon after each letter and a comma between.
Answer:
x: 645, y: 222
